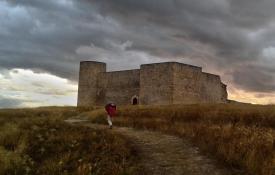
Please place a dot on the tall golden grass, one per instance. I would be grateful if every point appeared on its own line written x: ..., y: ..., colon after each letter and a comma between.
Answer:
x: 38, y: 141
x: 242, y: 136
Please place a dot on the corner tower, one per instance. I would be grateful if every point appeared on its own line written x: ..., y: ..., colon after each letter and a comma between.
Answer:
x: 87, y: 84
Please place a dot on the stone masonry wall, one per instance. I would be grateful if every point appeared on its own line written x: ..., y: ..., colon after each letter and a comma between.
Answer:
x: 186, y: 84
x: 191, y: 85
x: 87, y: 85
x: 212, y: 89
x: 118, y: 86
x: 156, y: 84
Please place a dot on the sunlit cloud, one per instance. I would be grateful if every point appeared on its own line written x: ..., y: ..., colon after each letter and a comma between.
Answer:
x: 251, y: 97
x: 36, y: 89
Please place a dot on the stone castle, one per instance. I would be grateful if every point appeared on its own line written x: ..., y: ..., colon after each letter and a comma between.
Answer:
x: 152, y: 84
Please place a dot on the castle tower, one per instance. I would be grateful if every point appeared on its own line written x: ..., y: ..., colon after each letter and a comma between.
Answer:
x: 87, y: 85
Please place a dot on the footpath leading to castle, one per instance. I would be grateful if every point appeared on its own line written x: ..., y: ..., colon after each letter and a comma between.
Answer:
x: 164, y: 154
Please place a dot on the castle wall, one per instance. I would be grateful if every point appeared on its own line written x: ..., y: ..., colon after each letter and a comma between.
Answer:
x: 212, y: 89
x: 156, y: 84
x: 87, y: 85
x: 186, y: 84
x: 118, y: 86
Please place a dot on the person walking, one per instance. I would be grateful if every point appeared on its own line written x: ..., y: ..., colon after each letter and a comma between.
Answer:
x: 111, y: 111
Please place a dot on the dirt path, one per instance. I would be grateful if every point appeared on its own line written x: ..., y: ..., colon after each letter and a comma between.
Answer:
x: 164, y: 154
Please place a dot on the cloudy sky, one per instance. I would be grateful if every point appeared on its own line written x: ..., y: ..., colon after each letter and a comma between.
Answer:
x: 42, y: 42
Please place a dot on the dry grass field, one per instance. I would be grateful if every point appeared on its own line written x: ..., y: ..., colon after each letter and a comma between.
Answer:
x: 241, y: 136
x: 38, y: 141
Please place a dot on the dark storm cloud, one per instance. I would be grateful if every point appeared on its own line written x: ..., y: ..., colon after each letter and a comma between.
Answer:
x: 254, y: 78
x: 238, y: 31
x: 226, y: 35
x: 44, y: 35
x: 222, y: 24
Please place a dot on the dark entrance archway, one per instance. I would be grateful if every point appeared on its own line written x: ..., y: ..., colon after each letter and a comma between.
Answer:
x: 135, y: 101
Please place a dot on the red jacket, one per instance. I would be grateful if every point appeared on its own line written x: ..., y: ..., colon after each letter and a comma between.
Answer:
x: 111, y: 109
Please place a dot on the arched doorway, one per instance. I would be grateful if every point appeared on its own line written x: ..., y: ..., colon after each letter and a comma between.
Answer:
x: 135, y: 101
